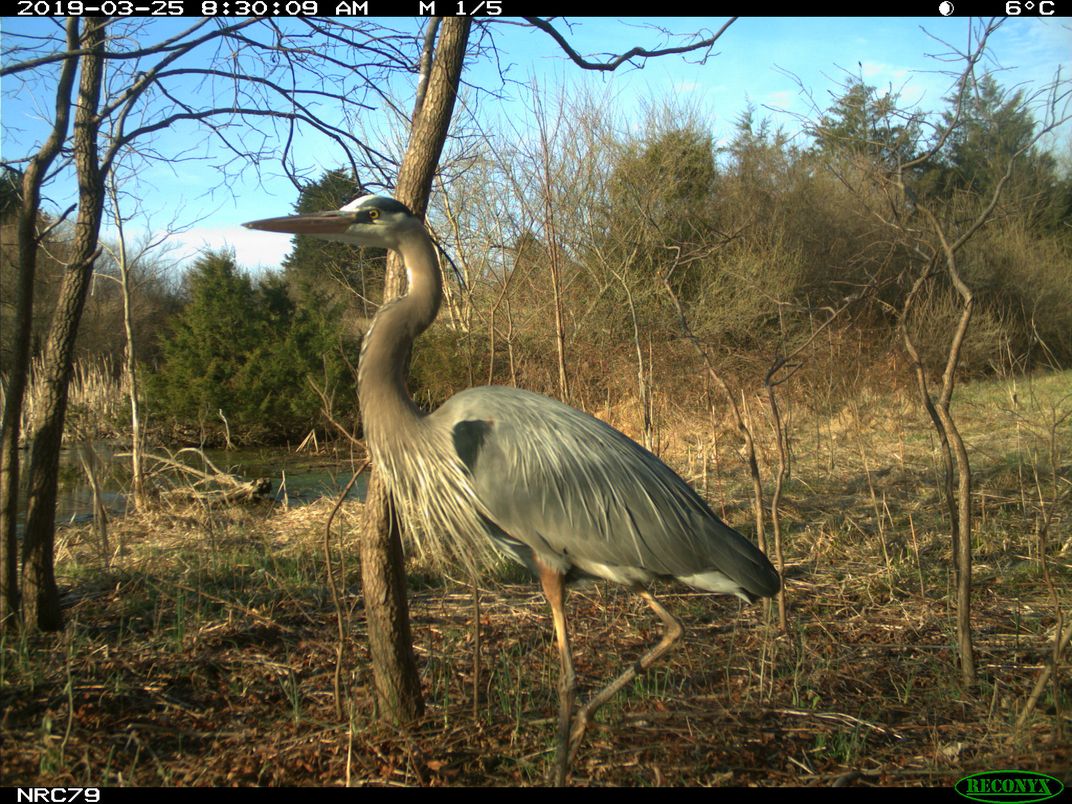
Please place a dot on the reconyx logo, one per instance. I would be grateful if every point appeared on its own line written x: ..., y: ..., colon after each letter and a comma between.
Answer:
x: 999, y: 787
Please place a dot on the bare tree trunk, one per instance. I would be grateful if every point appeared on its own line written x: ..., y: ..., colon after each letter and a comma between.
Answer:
x: 28, y: 240
x: 431, y: 122
x: 781, y: 435
x: 962, y: 543
x: 643, y: 376
x: 510, y: 356
x: 554, y: 255
x: 383, y: 584
x: 138, y: 481
x: 40, y: 595
x: 560, y: 329
x: 398, y: 689
x: 958, y: 501
x: 963, y: 525
x: 753, y: 461
x: 956, y: 466
x: 129, y: 363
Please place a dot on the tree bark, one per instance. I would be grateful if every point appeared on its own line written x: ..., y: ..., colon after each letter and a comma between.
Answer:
x: 957, y: 500
x: 27, y: 234
x: 963, y: 524
x: 781, y: 435
x: 383, y: 583
x: 40, y: 595
x: 130, y: 365
x: 383, y: 578
x: 431, y: 122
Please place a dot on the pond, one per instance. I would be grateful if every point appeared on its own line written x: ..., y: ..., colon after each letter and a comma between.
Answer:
x: 296, y: 478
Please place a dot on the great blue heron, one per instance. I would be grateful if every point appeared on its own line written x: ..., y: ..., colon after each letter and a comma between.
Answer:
x: 553, y: 488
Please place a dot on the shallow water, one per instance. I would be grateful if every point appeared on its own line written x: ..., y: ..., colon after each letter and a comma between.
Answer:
x: 296, y: 478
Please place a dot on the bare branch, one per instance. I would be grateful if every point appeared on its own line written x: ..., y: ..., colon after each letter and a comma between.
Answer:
x: 634, y: 53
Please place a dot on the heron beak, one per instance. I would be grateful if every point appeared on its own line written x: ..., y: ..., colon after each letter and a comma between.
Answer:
x: 322, y: 223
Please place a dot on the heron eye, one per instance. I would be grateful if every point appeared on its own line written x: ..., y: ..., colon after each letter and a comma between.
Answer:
x: 373, y: 214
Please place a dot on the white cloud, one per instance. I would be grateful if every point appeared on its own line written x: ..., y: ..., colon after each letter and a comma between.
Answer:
x: 887, y: 72
x: 253, y: 250
x: 687, y: 86
x: 781, y: 99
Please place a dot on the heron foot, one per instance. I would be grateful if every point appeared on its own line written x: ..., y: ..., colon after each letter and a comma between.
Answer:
x: 585, y: 714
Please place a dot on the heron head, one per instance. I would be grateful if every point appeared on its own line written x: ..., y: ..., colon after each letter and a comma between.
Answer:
x: 371, y: 220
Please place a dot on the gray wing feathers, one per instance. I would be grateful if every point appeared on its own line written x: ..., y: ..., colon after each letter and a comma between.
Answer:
x: 571, y: 486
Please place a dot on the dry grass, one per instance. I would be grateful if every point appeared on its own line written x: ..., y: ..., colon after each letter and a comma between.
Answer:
x: 98, y: 403
x: 205, y: 655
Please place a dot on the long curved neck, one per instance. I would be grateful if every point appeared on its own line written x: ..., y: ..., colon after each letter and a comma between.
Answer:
x: 381, y: 382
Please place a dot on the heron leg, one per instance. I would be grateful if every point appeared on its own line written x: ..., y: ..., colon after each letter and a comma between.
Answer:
x: 671, y: 634
x: 554, y: 588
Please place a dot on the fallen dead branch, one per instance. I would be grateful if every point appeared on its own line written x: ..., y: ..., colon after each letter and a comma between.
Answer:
x: 214, y: 485
x: 839, y: 717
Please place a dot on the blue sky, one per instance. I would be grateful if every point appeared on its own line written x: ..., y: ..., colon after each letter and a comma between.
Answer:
x: 752, y: 62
